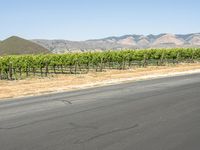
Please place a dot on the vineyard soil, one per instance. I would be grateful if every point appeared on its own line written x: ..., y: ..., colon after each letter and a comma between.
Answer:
x: 60, y: 83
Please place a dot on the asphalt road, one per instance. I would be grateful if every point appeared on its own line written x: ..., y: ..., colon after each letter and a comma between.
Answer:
x: 159, y: 114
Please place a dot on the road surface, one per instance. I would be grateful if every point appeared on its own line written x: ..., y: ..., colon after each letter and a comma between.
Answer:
x: 159, y: 114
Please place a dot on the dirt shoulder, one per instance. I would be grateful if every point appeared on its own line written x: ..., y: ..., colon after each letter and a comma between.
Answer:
x: 60, y: 83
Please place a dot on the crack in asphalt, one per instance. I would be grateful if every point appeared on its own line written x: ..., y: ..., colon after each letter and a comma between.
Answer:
x: 77, y: 126
x: 66, y: 102
x: 50, y: 118
x: 105, y: 134
x: 14, y: 127
x: 74, y: 127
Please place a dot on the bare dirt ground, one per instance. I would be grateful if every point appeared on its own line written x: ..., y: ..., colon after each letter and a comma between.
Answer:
x: 60, y: 83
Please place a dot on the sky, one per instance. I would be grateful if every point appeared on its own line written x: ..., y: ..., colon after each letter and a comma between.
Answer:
x: 93, y: 19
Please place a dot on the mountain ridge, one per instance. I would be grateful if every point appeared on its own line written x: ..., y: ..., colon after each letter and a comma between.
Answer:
x: 130, y: 41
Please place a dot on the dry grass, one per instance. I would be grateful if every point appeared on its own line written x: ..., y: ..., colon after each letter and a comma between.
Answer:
x: 10, y: 89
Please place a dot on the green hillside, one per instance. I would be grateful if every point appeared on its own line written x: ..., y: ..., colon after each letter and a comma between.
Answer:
x: 16, y: 45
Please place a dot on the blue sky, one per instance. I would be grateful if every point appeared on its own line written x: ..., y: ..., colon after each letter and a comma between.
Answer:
x: 89, y: 19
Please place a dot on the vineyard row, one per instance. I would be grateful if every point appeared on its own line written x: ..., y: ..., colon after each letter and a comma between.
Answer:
x: 22, y: 66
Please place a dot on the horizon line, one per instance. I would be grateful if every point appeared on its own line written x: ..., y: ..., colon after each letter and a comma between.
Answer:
x: 114, y: 36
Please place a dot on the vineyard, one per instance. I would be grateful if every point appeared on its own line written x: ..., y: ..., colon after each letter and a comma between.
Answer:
x: 23, y: 66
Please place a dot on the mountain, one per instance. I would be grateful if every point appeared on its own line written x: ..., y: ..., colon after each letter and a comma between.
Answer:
x: 16, y: 45
x: 123, y: 42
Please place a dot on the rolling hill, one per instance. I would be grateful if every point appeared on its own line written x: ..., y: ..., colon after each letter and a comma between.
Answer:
x: 16, y: 45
